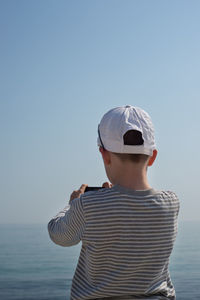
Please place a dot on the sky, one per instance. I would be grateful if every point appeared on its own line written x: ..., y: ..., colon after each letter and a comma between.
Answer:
x: 63, y: 65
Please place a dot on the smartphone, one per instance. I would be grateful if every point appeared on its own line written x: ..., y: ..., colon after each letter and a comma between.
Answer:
x: 93, y: 188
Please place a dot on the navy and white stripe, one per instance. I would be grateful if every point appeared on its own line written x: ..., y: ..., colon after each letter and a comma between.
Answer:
x: 127, y: 238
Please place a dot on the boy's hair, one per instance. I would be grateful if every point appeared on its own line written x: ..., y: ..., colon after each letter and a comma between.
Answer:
x: 133, y: 137
x: 135, y: 158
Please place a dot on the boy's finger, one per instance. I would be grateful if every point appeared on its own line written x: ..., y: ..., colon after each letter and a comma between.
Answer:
x: 83, y: 187
x: 106, y: 185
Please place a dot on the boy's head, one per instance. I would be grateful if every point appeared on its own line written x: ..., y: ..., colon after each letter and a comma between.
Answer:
x: 127, y: 132
x: 127, y: 144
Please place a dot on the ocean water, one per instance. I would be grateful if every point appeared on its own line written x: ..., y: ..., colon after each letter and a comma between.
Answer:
x: 32, y: 267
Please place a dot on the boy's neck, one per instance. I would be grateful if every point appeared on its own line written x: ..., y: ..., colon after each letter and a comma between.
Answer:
x: 131, y: 177
x: 133, y: 183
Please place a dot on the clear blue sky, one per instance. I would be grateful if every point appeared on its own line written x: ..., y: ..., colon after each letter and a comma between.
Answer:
x: 63, y: 65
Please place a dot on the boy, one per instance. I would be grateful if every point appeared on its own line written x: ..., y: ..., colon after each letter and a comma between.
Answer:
x: 127, y: 229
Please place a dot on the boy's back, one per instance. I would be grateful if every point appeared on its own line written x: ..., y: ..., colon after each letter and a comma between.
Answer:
x: 127, y: 238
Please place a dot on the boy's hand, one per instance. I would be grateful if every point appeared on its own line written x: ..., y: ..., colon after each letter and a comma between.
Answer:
x: 106, y: 185
x: 77, y: 194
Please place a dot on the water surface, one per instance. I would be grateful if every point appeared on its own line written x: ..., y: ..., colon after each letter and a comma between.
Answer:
x: 32, y: 267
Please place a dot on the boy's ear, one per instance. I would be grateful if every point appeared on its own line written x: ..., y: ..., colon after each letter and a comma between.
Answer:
x: 152, y: 158
x: 105, y: 155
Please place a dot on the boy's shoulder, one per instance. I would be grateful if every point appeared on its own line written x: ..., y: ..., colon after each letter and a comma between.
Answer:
x: 119, y: 191
x: 170, y: 195
x: 119, y: 202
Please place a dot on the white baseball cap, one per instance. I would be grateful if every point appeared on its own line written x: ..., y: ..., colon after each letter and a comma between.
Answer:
x: 117, y: 122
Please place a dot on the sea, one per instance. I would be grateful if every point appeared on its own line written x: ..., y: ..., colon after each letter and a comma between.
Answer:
x: 33, y: 267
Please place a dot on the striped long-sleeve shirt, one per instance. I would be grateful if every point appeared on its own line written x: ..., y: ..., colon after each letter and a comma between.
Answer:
x: 127, y: 238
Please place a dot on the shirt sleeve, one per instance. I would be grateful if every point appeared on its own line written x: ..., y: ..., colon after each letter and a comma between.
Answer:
x: 67, y: 227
